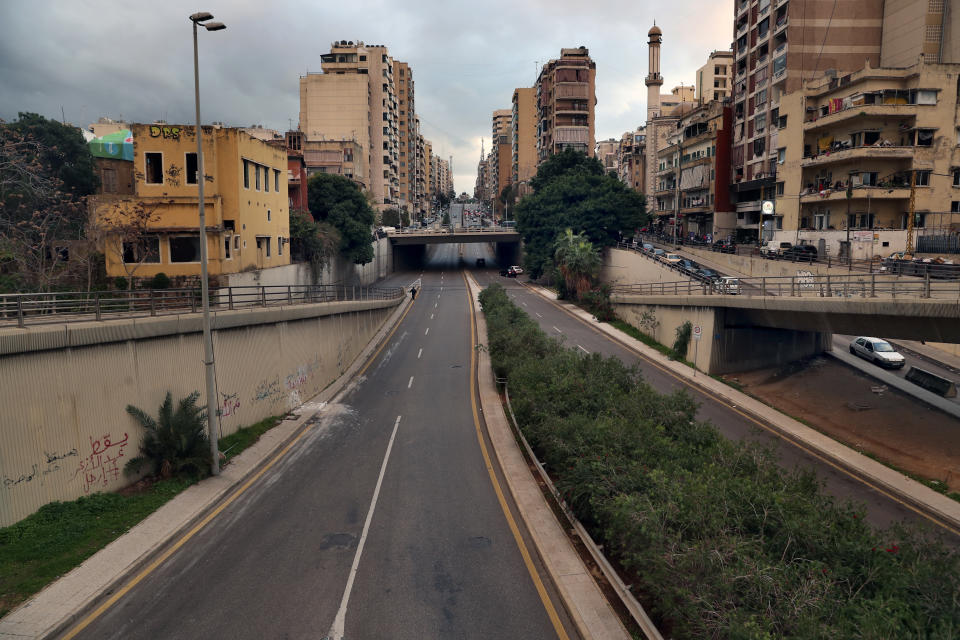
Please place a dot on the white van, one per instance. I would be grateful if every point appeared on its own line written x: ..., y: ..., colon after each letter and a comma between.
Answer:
x: 774, y: 248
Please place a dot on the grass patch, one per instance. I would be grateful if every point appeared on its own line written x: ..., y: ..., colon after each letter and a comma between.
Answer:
x: 61, y: 535
x: 936, y: 485
x: 235, y: 443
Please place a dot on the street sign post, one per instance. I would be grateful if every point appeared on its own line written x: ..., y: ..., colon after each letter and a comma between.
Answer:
x: 697, y: 332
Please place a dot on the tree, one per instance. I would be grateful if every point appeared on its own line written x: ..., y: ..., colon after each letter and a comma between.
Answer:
x: 176, y: 441
x: 312, y: 241
x: 46, y: 173
x: 338, y: 201
x: 577, y: 261
x: 390, y: 217
x: 124, y: 231
x: 573, y: 192
x: 443, y: 199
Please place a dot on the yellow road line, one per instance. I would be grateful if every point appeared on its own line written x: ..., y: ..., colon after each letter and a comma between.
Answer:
x: 122, y: 591
x: 754, y: 420
x: 527, y: 560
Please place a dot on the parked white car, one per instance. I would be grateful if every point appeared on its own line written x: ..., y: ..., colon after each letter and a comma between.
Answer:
x: 878, y: 351
x: 727, y: 284
x: 774, y: 249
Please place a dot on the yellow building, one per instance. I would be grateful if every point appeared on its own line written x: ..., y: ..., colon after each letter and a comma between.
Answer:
x: 848, y: 149
x: 246, y: 205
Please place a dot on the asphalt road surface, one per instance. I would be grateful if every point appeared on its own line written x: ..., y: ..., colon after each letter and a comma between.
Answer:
x: 438, y: 559
x: 882, y: 510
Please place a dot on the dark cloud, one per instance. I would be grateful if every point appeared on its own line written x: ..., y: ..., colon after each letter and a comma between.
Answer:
x: 135, y: 60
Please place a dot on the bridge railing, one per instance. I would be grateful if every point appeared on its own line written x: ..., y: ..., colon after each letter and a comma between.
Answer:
x: 828, y: 286
x: 413, y: 231
x: 24, y: 309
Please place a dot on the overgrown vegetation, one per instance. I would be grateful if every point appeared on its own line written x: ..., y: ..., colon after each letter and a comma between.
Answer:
x: 682, y: 341
x: 571, y: 191
x: 339, y: 202
x: 720, y: 541
x: 312, y: 241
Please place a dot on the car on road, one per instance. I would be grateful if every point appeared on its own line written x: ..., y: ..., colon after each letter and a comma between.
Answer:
x: 707, y: 275
x: 878, y: 351
x: 728, y: 285
x: 801, y: 253
x: 647, y: 247
x: 724, y: 246
x: 672, y: 258
x: 505, y: 272
x: 689, y: 266
x: 515, y: 270
x: 658, y: 253
x: 774, y: 248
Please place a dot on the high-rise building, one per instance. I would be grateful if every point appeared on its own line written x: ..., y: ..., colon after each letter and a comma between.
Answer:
x: 715, y: 78
x: 354, y: 99
x: 524, y: 135
x: 566, y: 98
x: 777, y: 47
x: 407, y: 126
x: 501, y: 148
x: 631, y: 159
x: 608, y: 154
x: 912, y: 28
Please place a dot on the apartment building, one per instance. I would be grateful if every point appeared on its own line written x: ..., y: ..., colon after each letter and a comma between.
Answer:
x: 688, y: 195
x: 631, y: 159
x: 246, y: 204
x: 607, y: 153
x: 566, y: 99
x: 407, y: 127
x: 422, y: 191
x: 858, y: 151
x: 354, y: 98
x: 715, y: 78
x: 523, y: 127
x: 779, y: 44
x: 429, y: 193
x: 502, y: 150
x: 296, y: 172
x: 442, y: 181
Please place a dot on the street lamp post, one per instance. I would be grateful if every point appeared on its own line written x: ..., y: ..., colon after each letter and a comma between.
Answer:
x: 213, y: 419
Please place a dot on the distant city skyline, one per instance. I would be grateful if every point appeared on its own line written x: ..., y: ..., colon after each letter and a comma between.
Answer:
x: 83, y: 61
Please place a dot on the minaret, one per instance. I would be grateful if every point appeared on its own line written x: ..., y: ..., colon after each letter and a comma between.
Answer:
x: 654, y: 80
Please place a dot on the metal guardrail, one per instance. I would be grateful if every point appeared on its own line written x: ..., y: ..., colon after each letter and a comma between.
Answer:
x: 22, y: 309
x: 885, y: 265
x: 872, y: 285
x: 455, y: 231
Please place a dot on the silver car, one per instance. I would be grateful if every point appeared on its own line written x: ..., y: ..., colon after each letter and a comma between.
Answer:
x: 878, y: 351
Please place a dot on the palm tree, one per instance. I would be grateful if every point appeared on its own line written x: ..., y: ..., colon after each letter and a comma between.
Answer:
x: 176, y: 441
x: 577, y: 261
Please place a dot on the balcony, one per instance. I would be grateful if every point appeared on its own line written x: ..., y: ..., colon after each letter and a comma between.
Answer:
x: 859, y: 153
x: 751, y: 205
x: 858, y: 193
x: 863, y: 110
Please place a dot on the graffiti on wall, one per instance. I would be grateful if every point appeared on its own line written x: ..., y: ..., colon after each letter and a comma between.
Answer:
x: 159, y: 131
x: 229, y: 404
x: 303, y: 373
x: 102, y: 465
x: 267, y: 389
x: 805, y: 279
x: 52, y: 462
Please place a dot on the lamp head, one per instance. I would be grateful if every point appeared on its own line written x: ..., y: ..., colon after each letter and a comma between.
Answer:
x: 215, y: 26
x: 201, y: 16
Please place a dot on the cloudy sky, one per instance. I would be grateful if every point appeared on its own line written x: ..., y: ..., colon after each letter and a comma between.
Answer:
x: 133, y: 59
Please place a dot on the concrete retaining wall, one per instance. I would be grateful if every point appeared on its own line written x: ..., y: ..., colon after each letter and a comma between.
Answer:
x: 64, y: 431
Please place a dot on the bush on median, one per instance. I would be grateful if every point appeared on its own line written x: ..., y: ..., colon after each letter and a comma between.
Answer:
x: 721, y: 541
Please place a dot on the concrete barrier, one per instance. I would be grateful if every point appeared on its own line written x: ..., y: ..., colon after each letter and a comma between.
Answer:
x: 932, y: 382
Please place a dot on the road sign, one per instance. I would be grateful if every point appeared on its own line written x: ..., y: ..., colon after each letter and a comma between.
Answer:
x: 697, y: 332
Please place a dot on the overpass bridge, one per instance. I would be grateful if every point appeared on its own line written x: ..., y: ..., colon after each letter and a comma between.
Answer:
x: 410, y: 245
x: 775, y: 320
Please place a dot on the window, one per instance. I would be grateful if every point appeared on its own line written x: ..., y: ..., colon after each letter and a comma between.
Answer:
x: 276, y: 179
x: 268, y: 215
x: 236, y: 242
x: 185, y: 248
x: 956, y: 177
x: 256, y: 173
x: 779, y: 188
x: 781, y: 156
x: 268, y: 246
x: 955, y: 206
x: 923, y: 178
x: 363, y: 58
x: 147, y: 250
x: 226, y: 248
x: 192, y: 168
x: 266, y: 179
x: 925, y: 137
x: 153, y: 168
x: 246, y: 174
x: 279, y: 245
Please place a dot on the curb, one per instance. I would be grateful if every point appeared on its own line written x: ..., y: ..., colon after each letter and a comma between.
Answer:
x: 915, y: 495
x: 295, y: 428
x: 581, y: 597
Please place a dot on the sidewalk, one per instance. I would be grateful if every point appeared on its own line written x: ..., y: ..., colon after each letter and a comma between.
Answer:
x: 874, y: 473
x: 100, y: 580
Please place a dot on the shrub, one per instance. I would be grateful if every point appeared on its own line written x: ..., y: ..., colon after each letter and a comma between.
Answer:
x: 719, y: 540
x: 160, y: 281
x: 683, y: 340
x: 176, y: 441
x: 121, y: 283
